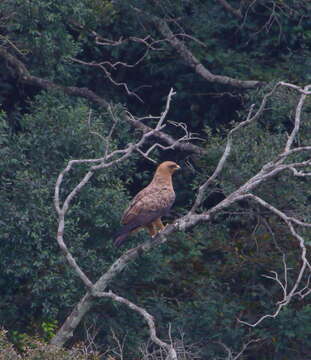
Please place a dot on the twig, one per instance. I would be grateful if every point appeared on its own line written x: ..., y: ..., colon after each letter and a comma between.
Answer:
x: 287, y: 295
x: 24, y: 76
x: 108, y: 75
x: 61, y: 208
x: 190, y: 58
x: 250, y: 118
x: 230, y: 353
x: 231, y: 9
x: 268, y: 171
x: 294, y: 132
x: 148, y: 318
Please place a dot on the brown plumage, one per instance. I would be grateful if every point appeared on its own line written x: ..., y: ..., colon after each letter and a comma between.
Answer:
x: 150, y: 204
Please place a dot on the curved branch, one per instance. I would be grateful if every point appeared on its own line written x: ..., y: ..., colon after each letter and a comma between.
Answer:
x: 24, y: 76
x: 191, y: 59
x: 297, y: 118
x: 106, y: 161
x: 287, y: 295
x: 172, y: 355
x: 231, y: 9
x: 182, y: 146
x: 191, y: 219
x: 250, y: 118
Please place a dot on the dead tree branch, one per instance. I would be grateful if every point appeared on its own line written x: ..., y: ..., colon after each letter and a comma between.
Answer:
x: 183, y: 350
x: 171, y: 353
x: 287, y: 295
x: 236, y: 12
x: 102, y: 66
x: 193, y: 217
x: 23, y: 75
x: 108, y: 160
x: 250, y: 118
x: 104, y: 162
x: 191, y: 60
x: 230, y: 353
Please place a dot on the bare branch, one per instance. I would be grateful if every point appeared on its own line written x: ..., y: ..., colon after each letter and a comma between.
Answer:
x: 182, y: 146
x: 250, y: 118
x: 107, y: 160
x: 90, y: 346
x: 120, y: 345
x: 287, y: 295
x: 108, y: 75
x: 306, y: 290
x: 183, y: 350
x: 186, y: 138
x: 148, y: 318
x: 24, y: 76
x: 300, y: 173
x: 230, y: 354
x: 106, y: 140
x: 297, y: 118
x: 191, y: 60
x: 244, y: 347
x: 147, y: 42
x: 277, y: 279
x: 5, y: 39
x: 268, y: 171
x: 231, y: 9
x: 298, y: 88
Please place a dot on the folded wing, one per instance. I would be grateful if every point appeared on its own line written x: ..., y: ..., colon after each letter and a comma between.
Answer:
x: 147, y: 206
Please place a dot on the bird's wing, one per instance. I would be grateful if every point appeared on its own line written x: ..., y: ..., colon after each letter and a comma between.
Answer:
x: 135, y: 203
x: 149, y: 204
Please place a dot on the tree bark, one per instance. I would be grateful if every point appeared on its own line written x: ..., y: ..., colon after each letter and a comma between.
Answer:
x: 23, y: 75
x: 268, y: 171
x: 198, y: 67
x: 85, y: 304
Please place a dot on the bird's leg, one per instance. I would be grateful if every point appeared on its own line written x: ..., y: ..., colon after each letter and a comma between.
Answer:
x: 151, y: 229
x: 155, y: 227
x: 135, y: 230
x: 159, y: 225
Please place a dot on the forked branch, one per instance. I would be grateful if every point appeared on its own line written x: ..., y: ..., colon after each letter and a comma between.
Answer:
x: 190, y: 59
x: 23, y: 75
x: 109, y: 159
x: 277, y: 165
x: 171, y: 352
x: 305, y: 266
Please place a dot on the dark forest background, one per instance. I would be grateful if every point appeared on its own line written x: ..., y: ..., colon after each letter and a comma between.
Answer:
x: 201, y: 280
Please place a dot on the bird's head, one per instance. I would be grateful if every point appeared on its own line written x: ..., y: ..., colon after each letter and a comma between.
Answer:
x: 167, y: 168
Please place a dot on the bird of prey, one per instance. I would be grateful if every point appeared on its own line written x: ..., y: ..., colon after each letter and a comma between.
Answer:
x: 150, y: 204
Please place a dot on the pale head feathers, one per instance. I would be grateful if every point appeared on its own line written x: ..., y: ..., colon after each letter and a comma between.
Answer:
x: 167, y: 169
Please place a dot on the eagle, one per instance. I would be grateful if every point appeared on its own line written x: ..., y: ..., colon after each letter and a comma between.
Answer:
x: 150, y: 204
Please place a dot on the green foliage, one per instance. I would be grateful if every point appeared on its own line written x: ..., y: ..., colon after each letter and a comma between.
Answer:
x: 35, y: 349
x: 7, y: 351
x: 49, y: 329
x: 29, y: 170
x: 19, y: 340
x: 201, y: 281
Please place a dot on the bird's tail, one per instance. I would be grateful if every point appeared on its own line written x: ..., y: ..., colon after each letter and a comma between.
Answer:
x: 121, y: 237
x: 122, y: 234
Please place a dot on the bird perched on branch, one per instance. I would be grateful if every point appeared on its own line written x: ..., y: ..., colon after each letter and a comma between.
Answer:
x: 150, y: 204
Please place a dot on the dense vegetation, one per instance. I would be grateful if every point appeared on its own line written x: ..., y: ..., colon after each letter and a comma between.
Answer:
x: 201, y: 280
